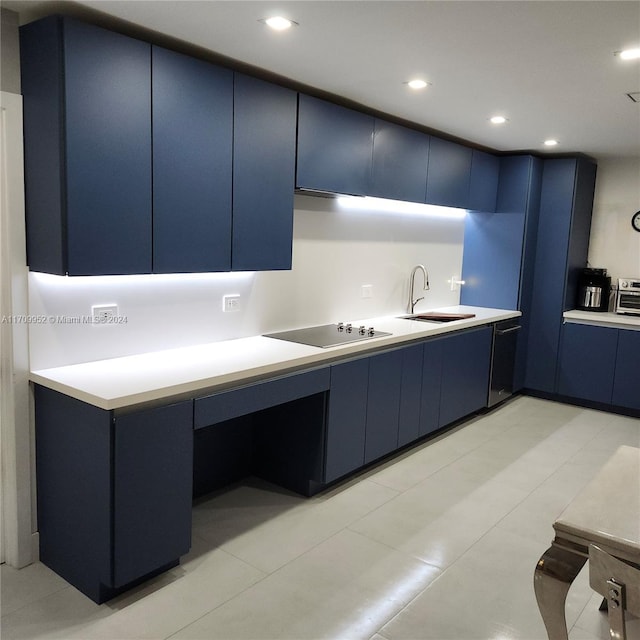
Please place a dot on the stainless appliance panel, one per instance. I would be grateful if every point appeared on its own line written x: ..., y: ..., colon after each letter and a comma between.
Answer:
x: 628, y: 296
x: 505, y: 339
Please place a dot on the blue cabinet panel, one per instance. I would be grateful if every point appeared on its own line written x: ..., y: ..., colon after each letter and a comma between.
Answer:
x: 152, y: 485
x: 410, y: 395
x: 587, y: 362
x: 87, y: 106
x: 431, y: 386
x: 626, y: 384
x: 492, y: 259
x: 400, y: 158
x: 73, y: 457
x: 449, y: 174
x: 264, y: 139
x: 335, y: 146
x: 192, y: 150
x: 244, y: 400
x: 547, y: 299
x: 466, y: 359
x: 41, y: 66
x: 580, y: 229
x: 483, y: 186
x: 108, y: 151
x: 346, y: 419
x: 383, y: 404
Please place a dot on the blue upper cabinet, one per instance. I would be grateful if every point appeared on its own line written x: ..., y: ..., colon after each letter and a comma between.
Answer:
x: 496, y: 245
x: 264, y: 151
x: 139, y: 159
x: 192, y: 151
x: 87, y: 105
x: 483, y: 186
x: 400, y: 158
x: 449, y: 173
x: 335, y: 146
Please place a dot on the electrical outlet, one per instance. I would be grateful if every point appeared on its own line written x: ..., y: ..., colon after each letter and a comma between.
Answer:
x: 231, y: 302
x: 104, y: 313
x: 367, y: 291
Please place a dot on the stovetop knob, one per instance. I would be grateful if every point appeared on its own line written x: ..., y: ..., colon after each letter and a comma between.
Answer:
x: 362, y: 330
x: 349, y: 328
x: 340, y: 326
x: 372, y: 331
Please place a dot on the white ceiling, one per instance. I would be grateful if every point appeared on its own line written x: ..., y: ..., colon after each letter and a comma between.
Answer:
x: 548, y: 66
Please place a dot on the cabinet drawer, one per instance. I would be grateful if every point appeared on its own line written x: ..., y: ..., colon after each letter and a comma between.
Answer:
x: 255, y: 397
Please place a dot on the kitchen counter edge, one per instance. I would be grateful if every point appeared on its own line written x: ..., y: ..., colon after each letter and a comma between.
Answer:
x: 131, y: 382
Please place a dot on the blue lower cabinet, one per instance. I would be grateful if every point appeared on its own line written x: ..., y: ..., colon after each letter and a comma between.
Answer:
x: 466, y: 359
x: 346, y: 418
x: 410, y: 395
x: 587, y: 362
x: 431, y: 385
x: 114, y: 492
x: 152, y: 489
x: 626, y: 385
x: 383, y: 404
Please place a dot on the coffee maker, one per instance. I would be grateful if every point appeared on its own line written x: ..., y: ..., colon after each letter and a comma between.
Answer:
x: 594, y: 287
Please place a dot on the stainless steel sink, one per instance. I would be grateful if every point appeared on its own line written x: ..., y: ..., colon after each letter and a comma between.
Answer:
x: 438, y: 317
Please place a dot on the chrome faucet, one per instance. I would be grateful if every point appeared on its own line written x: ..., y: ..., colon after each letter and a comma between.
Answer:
x: 412, y: 302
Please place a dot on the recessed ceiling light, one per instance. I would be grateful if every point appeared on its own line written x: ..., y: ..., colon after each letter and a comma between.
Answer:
x: 279, y: 23
x: 498, y: 120
x: 550, y: 143
x: 630, y: 54
x: 417, y: 84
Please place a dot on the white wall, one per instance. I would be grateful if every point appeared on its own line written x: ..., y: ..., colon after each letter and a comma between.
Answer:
x: 614, y: 244
x: 335, y: 252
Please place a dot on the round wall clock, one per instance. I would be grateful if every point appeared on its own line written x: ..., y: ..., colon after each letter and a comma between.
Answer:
x: 635, y: 220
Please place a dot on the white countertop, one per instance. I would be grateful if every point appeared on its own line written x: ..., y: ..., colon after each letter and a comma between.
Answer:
x: 123, y: 382
x: 613, y: 320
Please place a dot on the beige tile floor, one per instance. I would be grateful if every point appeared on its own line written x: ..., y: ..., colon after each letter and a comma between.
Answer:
x: 438, y: 543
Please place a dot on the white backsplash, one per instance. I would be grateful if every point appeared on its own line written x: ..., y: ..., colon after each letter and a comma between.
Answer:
x: 335, y: 252
x: 614, y: 244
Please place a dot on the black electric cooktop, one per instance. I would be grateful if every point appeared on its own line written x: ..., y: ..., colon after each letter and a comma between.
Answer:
x: 328, y: 335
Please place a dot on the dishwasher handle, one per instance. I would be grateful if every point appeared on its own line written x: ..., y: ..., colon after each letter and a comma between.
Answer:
x: 501, y: 332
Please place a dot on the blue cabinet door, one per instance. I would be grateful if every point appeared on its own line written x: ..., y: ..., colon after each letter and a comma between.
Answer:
x: 383, y: 404
x: 410, y: 395
x: 400, y: 158
x: 107, y: 78
x: 492, y: 259
x: 87, y: 121
x: 448, y: 174
x: 192, y: 147
x: 483, y: 186
x: 335, y: 146
x: 466, y: 360
x: 152, y: 487
x: 431, y: 386
x: 563, y: 227
x: 264, y: 147
x: 346, y: 418
x: 587, y: 362
x: 626, y: 383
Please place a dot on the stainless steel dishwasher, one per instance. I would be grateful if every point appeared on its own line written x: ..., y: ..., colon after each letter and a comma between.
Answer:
x: 505, y: 339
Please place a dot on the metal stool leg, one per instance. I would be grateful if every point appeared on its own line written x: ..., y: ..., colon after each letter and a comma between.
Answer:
x: 554, y: 573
